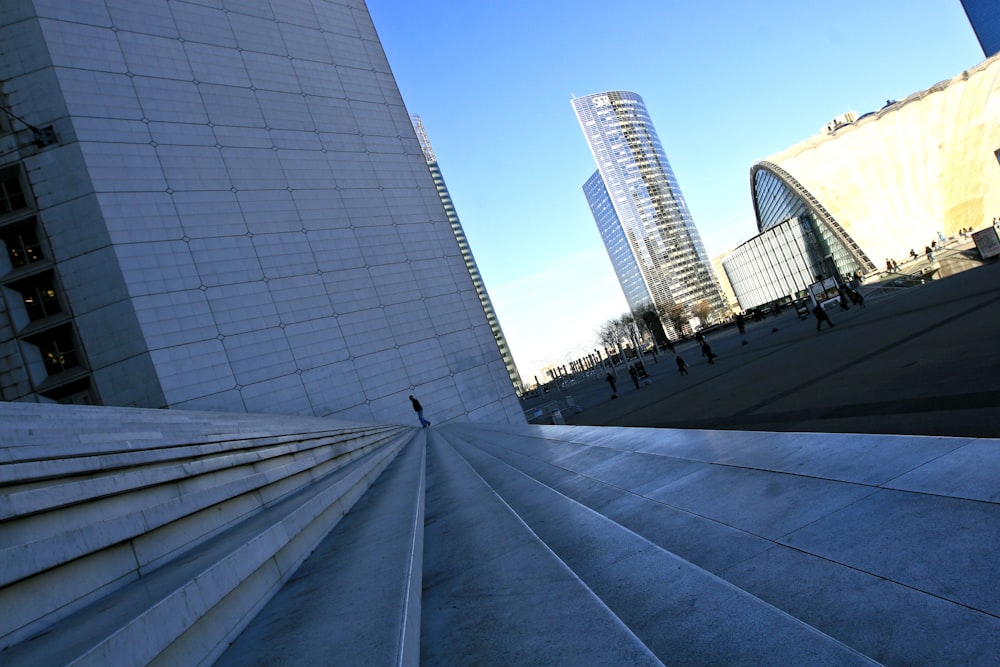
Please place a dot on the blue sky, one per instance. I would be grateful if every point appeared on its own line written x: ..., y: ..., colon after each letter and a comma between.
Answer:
x: 726, y: 83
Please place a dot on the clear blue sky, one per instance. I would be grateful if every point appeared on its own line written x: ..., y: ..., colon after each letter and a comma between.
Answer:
x: 726, y: 82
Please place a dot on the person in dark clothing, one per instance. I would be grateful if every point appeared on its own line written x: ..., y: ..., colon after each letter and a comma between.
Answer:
x: 682, y: 366
x: 741, y: 323
x: 614, y: 385
x: 706, y: 351
x: 634, y: 374
x: 821, y: 317
x: 419, y: 409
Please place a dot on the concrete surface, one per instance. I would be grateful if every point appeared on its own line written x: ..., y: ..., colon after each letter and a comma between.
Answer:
x: 922, y: 360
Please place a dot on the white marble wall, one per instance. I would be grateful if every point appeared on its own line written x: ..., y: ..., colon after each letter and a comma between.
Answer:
x: 252, y: 170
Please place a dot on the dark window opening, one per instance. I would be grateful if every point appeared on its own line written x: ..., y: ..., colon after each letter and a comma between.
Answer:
x: 11, y: 193
x: 40, y: 297
x: 21, y: 241
x: 58, y: 349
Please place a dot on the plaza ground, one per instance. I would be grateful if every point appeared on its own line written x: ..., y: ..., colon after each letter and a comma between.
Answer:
x: 920, y: 360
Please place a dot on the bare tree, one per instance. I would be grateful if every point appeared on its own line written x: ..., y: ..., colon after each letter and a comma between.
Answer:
x: 608, y: 336
x: 702, y: 310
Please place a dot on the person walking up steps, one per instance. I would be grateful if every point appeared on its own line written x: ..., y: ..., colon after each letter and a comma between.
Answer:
x: 419, y: 409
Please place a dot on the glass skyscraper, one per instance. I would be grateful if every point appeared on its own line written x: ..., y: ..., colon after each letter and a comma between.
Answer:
x: 984, y: 15
x: 638, y: 206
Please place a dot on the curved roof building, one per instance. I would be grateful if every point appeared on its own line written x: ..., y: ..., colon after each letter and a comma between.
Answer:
x: 875, y: 187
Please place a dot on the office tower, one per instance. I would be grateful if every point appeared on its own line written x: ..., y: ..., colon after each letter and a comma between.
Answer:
x: 227, y: 209
x: 638, y: 205
x: 470, y: 261
x: 984, y: 15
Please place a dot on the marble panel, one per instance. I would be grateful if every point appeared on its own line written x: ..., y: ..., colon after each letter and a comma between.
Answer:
x: 242, y: 307
x: 160, y: 57
x: 206, y: 214
x: 197, y: 22
x: 283, y: 255
x: 256, y: 35
x: 226, y: 260
x: 151, y: 18
x: 316, y: 343
x: 259, y: 355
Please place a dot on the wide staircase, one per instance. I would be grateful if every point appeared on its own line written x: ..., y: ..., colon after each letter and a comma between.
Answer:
x: 132, y: 537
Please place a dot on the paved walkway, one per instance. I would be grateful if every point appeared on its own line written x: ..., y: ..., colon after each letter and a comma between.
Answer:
x: 923, y: 360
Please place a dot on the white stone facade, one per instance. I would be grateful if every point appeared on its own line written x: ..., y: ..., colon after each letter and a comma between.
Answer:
x: 240, y: 214
x: 922, y: 166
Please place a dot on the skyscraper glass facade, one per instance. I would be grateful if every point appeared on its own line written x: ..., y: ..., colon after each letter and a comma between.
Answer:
x: 984, y: 15
x: 647, y: 201
x: 618, y: 246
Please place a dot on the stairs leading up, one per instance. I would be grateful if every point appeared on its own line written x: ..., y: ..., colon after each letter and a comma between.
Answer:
x: 179, y: 541
x: 131, y: 536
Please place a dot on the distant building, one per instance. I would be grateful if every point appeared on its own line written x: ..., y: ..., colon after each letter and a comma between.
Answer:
x: 874, y: 188
x: 984, y: 15
x: 642, y: 217
x: 227, y: 209
x: 470, y: 261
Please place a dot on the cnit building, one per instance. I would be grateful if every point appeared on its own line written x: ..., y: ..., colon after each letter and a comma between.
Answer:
x: 871, y: 188
x: 227, y: 209
x: 647, y: 229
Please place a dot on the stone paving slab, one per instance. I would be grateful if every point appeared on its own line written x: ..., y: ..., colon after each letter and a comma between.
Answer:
x: 879, y: 541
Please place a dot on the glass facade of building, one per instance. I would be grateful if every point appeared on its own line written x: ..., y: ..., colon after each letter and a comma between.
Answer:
x: 984, y: 15
x: 647, y: 202
x: 799, y: 242
x: 775, y: 264
x: 618, y: 246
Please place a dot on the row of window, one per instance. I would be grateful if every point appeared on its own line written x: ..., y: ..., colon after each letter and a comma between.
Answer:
x: 46, y: 337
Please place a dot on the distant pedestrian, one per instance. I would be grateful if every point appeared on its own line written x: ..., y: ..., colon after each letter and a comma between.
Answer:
x: 821, y: 317
x: 682, y: 366
x: 929, y: 253
x: 419, y: 409
x: 706, y: 351
x: 741, y: 323
x: 856, y: 297
x: 614, y: 384
x: 634, y: 374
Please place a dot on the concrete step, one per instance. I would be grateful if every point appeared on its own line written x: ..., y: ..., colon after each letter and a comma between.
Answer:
x: 494, y: 593
x: 882, y: 542
x: 680, y: 612
x: 357, y: 597
x: 190, y: 542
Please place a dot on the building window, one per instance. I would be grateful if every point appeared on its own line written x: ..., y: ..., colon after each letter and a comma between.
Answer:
x: 57, y: 348
x: 21, y: 242
x: 39, y: 294
x: 11, y: 193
